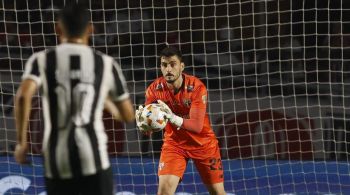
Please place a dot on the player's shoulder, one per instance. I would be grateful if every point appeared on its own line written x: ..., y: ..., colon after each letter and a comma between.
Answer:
x: 103, y: 55
x: 157, y: 85
x: 108, y: 60
x: 42, y: 52
x: 192, y: 83
x: 36, y: 55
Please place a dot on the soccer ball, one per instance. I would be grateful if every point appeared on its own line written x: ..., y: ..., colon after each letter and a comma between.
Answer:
x: 152, y: 118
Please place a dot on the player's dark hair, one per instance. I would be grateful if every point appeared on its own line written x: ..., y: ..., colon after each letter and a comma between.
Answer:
x: 75, y: 18
x: 171, y: 51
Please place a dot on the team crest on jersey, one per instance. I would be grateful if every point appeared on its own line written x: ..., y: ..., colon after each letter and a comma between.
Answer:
x: 204, y: 99
x: 161, y: 165
x: 189, y: 88
x: 187, y: 102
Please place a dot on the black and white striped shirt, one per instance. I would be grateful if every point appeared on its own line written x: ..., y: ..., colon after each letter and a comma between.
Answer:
x: 75, y: 82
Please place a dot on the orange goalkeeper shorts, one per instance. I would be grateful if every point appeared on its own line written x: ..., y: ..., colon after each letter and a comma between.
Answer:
x: 173, y: 161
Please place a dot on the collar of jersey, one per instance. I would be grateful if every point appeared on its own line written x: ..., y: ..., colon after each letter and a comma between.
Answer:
x: 182, y: 84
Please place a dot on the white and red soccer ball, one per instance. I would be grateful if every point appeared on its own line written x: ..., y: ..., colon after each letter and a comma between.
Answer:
x: 152, y: 118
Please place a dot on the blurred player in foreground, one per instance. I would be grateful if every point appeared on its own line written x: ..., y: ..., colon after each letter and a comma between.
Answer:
x: 76, y: 81
x: 188, y: 134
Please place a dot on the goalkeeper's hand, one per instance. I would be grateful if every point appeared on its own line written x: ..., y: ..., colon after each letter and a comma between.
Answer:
x: 173, y: 118
x: 138, y: 113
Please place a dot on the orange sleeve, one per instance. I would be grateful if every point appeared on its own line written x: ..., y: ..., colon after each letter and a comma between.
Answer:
x: 196, y: 121
x: 197, y: 111
x: 150, y: 96
x: 199, y: 98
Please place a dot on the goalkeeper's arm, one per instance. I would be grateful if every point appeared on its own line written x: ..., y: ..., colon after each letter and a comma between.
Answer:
x: 196, y: 120
x: 194, y: 123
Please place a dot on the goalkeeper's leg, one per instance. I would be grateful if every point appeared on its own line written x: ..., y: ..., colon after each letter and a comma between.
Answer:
x: 172, y: 165
x: 209, y: 165
x: 168, y: 184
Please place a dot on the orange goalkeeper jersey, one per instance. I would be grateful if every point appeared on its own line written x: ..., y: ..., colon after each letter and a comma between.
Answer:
x: 193, y: 94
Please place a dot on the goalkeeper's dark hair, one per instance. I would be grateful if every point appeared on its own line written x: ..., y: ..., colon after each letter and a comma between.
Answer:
x: 75, y: 18
x: 171, y: 51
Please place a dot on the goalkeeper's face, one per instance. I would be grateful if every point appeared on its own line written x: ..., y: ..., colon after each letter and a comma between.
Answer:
x: 171, y: 68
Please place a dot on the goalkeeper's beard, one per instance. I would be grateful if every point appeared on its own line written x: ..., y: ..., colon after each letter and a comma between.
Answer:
x: 171, y: 81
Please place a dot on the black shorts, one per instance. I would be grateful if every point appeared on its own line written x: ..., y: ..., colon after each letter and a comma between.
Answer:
x: 100, y: 183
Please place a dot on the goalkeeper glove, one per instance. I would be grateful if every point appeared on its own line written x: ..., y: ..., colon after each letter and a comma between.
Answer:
x: 173, y: 118
x: 138, y: 115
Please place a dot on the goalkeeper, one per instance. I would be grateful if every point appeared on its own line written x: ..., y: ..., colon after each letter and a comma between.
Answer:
x: 189, y: 134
